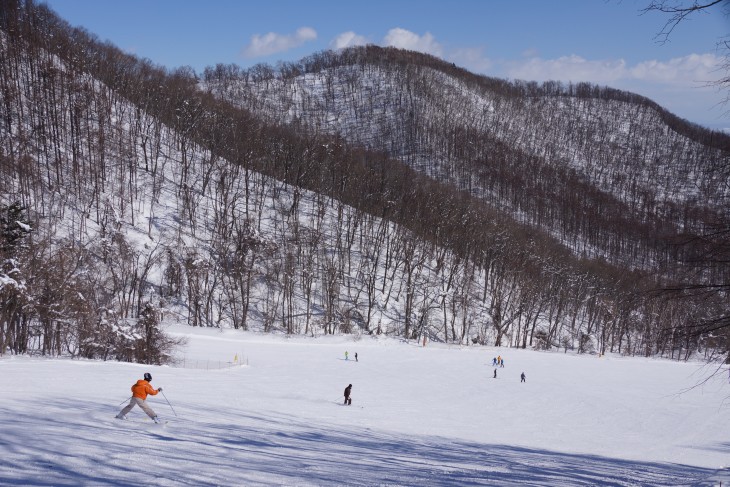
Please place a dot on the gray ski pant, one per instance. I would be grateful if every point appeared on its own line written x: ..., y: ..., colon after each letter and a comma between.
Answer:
x: 139, y: 402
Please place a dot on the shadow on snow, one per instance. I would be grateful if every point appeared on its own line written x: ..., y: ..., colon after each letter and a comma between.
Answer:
x: 84, y: 445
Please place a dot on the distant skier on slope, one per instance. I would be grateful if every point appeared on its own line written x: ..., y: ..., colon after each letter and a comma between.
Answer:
x: 522, y: 377
x: 495, y: 373
x: 348, y: 399
x: 346, y: 355
x: 355, y: 356
x: 139, y: 395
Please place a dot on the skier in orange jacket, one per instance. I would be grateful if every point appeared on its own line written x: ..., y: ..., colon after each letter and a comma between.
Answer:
x: 139, y: 395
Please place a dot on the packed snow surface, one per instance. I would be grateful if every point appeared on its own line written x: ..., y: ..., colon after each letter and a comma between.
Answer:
x: 254, y: 409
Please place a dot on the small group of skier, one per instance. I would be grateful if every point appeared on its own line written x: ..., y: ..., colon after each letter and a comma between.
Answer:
x: 142, y: 388
x: 499, y: 361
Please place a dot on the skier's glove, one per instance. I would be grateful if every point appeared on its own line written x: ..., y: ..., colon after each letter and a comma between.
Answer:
x: 159, y: 390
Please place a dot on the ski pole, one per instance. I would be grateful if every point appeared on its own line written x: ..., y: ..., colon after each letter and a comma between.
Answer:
x: 168, y: 403
x: 127, y: 399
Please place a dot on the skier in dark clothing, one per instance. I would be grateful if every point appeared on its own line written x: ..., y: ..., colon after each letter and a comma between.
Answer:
x: 348, y: 400
x: 522, y: 377
x: 355, y: 356
x: 495, y: 373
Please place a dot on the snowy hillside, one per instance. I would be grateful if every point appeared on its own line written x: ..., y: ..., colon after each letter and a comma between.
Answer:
x: 572, y: 160
x: 429, y: 415
x: 217, y: 243
x: 131, y: 195
x: 606, y: 140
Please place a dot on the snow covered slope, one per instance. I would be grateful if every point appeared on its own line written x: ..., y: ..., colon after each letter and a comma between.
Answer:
x: 429, y: 415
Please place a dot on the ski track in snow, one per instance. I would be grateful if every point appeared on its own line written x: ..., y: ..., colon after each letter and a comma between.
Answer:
x: 80, y: 449
x: 420, y: 416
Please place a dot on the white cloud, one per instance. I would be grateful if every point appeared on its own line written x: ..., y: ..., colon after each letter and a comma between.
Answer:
x: 347, y: 39
x: 693, y: 70
x: 272, y: 43
x: 471, y: 58
x: 682, y: 85
x: 405, y: 39
x: 567, y: 68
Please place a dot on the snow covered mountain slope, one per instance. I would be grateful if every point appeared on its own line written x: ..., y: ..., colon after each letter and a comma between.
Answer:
x: 130, y: 194
x: 429, y: 415
x: 549, y: 155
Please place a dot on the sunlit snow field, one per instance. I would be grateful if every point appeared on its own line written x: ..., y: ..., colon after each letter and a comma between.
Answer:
x: 430, y: 415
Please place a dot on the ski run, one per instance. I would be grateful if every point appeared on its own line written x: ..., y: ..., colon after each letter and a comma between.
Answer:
x: 244, y: 409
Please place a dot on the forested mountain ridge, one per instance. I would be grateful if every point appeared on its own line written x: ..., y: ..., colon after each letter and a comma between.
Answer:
x: 142, y: 191
x: 604, y: 171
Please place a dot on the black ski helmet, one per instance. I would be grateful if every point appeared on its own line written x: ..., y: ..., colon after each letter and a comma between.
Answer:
x: 148, y: 377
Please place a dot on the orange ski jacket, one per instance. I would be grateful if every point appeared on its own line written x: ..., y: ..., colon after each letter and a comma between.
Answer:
x: 142, y: 388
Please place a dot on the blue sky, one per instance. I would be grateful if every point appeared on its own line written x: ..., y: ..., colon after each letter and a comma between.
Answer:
x: 608, y: 42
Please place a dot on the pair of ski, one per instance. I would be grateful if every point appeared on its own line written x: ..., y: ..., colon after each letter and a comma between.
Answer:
x: 148, y: 422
